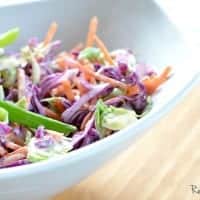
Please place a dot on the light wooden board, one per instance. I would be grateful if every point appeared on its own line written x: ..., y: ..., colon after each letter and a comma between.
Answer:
x: 160, y: 166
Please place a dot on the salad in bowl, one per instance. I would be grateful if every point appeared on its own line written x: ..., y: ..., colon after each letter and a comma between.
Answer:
x: 53, y: 102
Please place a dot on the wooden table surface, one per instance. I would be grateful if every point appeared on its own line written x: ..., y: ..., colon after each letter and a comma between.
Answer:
x: 160, y: 166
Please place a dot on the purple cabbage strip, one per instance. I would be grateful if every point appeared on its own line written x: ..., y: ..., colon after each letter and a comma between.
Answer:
x: 20, y: 132
x: 12, y: 95
x: 143, y: 70
x: 49, y: 82
x: 85, y: 84
x: 78, y: 117
x: 88, y: 136
x: 14, y: 163
x: 123, y: 57
x: 132, y: 79
x: 53, y: 80
x: 54, y: 46
x: 4, y: 129
x: 97, y: 67
x: 66, y: 103
x: 112, y: 72
x: 33, y: 42
x: 68, y: 114
x: 35, y: 102
x: 46, y: 68
x: 40, y: 132
x: 137, y: 102
x: 45, y: 142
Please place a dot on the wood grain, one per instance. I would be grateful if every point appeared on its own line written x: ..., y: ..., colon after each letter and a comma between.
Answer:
x: 160, y: 166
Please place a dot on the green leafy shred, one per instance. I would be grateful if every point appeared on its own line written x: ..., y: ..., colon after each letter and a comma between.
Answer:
x: 22, y: 103
x: 55, y: 149
x: 92, y: 54
x: 9, y: 37
x: 33, y: 120
x: 112, y: 118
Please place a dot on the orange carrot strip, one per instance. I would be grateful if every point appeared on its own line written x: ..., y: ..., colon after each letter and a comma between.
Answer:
x: 12, y: 145
x: 88, y: 76
x: 59, y: 106
x: 92, y: 31
x: 68, y: 90
x: 165, y: 74
x: 21, y: 150
x: 51, y: 114
x: 132, y: 90
x: 61, y: 63
x: 80, y: 87
x: 106, y: 79
x: 83, y: 68
x: 51, y: 32
x: 103, y: 48
x: 151, y: 84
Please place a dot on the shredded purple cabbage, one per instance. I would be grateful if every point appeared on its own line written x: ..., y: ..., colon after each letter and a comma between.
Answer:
x: 40, y: 132
x: 143, y: 70
x: 44, y: 142
x: 78, y: 117
x: 112, y: 72
x: 14, y: 163
x: 33, y: 42
x: 88, y: 136
x: 35, y: 102
x: 48, y: 83
x: 68, y: 114
x: 4, y: 129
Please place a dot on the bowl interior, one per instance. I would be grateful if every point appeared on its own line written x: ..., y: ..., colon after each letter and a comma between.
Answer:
x: 135, y: 24
x: 138, y: 25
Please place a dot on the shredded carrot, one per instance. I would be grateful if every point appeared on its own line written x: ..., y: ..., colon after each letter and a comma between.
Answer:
x: 67, y: 89
x: 21, y: 150
x: 51, y: 32
x: 12, y: 145
x: 80, y: 87
x: 61, y: 63
x: 165, y: 74
x: 52, y: 114
x: 100, y: 77
x: 59, y: 106
x: 132, y: 90
x: 88, y: 76
x: 92, y: 31
x: 68, y: 62
x: 103, y: 48
x: 106, y: 79
x: 61, y: 60
x: 152, y: 83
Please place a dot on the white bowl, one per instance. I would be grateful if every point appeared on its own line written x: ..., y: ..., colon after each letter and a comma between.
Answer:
x: 136, y: 24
